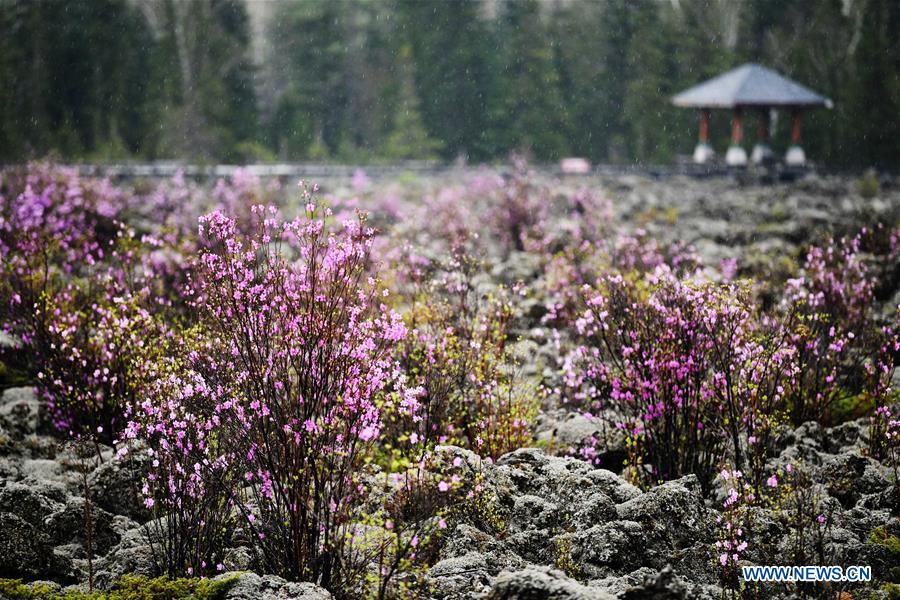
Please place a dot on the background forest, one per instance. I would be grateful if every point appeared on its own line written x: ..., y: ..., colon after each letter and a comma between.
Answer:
x: 370, y: 80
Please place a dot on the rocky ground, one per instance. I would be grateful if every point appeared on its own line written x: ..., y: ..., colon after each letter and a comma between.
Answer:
x: 569, y: 530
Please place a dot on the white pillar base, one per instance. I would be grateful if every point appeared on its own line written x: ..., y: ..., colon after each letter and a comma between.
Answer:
x: 795, y: 157
x: 703, y: 153
x: 736, y: 156
x: 761, y: 154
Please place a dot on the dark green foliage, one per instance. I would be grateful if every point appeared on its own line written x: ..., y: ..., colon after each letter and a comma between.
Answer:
x: 113, y: 79
x: 359, y: 80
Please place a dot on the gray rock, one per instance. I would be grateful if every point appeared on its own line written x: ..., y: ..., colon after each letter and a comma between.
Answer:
x: 662, y: 587
x: 533, y: 513
x: 27, y: 503
x: 847, y: 437
x: 465, y: 539
x: 562, y: 481
x: 672, y: 513
x: 576, y: 428
x: 132, y: 555
x: 20, y: 409
x: 849, y: 477
x: 46, y: 469
x: 666, y: 586
x: 613, y: 486
x: 10, y: 468
x: 251, y: 586
x: 541, y: 583
x: 116, y: 485
x: 610, y: 548
x: 618, y: 585
x: 52, y: 490
x: 70, y: 526
x: 597, y: 508
x: 25, y: 552
x: 448, y: 454
x: 238, y: 559
x: 460, y: 577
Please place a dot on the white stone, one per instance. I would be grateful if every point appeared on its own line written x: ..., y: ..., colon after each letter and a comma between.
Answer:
x: 703, y: 153
x: 736, y: 156
x: 795, y: 156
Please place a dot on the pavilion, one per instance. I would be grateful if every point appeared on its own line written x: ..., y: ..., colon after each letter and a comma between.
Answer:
x: 750, y: 87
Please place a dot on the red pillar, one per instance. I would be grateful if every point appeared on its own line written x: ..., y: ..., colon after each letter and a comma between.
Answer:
x: 795, y: 156
x: 737, y: 127
x: 704, y: 125
x: 795, y: 127
x: 762, y: 131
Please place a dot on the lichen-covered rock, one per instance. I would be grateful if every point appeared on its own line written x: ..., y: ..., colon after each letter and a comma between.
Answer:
x: 610, y: 548
x: 468, y: 559
x: 847, y: 437
x: 460, y: 577
x: 672, y: 514
x: 615, y: 585
x: 613, y: 486
x: 20, y: 410
x: 52, y: 490
x: 849, y: 477
x: 250, y: 586
x: 71, y: 526
x: 26, y: 553
x: 28, y: 503
x: 562, y: 481
x: 596, y: 508
x: 133, y: 555
x: 531, y: 513
x: 666, y: 586
x: 47, y: 470
x: 541, y: 583
x: 116, y: 485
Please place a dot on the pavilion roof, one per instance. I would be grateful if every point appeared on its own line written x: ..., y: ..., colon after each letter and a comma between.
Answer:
x: 749, y: 85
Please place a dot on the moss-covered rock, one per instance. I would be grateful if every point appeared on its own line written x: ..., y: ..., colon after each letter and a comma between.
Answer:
x: 128, y: 588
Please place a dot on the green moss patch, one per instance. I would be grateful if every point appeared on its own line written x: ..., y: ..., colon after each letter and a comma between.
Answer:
x: 127, y: 588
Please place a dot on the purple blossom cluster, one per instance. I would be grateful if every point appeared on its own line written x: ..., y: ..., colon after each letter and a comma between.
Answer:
x: 693, y: 371
x: 284, y: 392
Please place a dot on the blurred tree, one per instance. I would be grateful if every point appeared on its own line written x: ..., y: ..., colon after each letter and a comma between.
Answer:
x: 75, y: 77
x: 311, y: 48
x: 354, y: 79
x: 212, y: 103
x: 454, y: 65
x: 408, y: 138
x: 590, y: 57
x: 531, y: 116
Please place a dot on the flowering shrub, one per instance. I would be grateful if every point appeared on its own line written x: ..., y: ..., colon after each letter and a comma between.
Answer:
x: 518, y: 215
x: 457, y: 356
x: 96, y: 360
x: 884, y: 440
x: 835, y: 339
x: 400, y: 533
x: 683, y: 365
x: 73, y: 293
x: 51, y: 228
x: 291, y: 374
x: 637, y: 255
x: 191, y: 487
x: 808, y: 515
x: 732, y: 523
